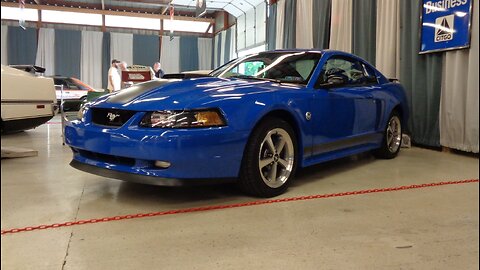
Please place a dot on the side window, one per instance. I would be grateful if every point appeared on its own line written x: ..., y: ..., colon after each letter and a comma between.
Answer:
x: 350, y: 70
x: 370, y: 74
x: 72, y: 85
x: 61, y: 82
x: 57, y: 81
x: 249, y: 68
x: 305, y: 67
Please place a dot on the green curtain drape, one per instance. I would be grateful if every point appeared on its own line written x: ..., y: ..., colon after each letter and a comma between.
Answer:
x: 271, y: 26
x: 105, y: 58
x: 421, y: 75
x: 145, y: 49
x: 218, y: 45
x: 228, y: 39
x: 322, y: 10
x: 289, y: 24
x: 364, y: 23
x: 188, y: 53
x: 68, y: 48
x: 21, y: 45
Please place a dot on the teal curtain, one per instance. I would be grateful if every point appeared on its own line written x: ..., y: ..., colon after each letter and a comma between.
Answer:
x: 188, y: 53
x: 106, y: 61
x: 21, y: 45
x: 219, y: 49
x: 228, y: 39
x: 322, y: 10
x: 68, y: 49
x: 364, y: 23
x: 271, y: 26
x: 212, y: 63
x: 421, y: 75
x: 145, y: 50
x: 290, y: 24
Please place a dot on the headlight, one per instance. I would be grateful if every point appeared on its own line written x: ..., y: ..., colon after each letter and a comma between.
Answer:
x: 183, y: 119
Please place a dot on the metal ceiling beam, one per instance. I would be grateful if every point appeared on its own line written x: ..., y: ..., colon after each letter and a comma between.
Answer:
x: 164, y: 9
x: 98, y: 10
x: 153, y: 6
x: 152, y: 2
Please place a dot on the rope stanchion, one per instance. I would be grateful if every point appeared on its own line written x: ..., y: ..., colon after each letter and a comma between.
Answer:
x: 236, y: 205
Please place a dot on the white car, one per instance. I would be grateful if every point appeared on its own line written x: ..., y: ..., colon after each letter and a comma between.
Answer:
x: 27, y: 100
x: 74, y: 92
x: 73, y: 88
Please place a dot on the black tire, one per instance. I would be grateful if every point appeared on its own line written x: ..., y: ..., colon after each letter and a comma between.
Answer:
x: 251, y: 178
x: 385, y: 151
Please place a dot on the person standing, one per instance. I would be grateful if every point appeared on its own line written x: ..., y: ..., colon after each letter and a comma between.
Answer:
x: 122, y: 66
x: 157, y: 68
x: 114, y: 80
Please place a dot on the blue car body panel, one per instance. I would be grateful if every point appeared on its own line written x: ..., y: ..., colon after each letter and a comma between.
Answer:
x: 344, y: 121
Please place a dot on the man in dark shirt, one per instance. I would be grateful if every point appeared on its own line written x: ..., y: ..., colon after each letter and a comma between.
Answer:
x: 157, y: 68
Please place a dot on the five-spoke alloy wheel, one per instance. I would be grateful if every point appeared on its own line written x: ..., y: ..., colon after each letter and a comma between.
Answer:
x: 392, y: 138
x: 270, y: 159
x: 276, y: 157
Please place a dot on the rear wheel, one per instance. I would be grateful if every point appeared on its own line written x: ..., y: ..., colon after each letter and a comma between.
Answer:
x: 392, y: 138
x: 270, y: 159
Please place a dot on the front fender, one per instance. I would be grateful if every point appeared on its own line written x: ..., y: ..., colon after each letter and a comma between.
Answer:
x: 244, y: 112
x: 395, y: 98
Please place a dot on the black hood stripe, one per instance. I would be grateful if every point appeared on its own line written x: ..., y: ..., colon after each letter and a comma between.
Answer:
x: 136, y: 90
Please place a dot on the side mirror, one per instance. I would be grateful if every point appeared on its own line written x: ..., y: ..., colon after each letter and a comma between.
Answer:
x: 332, y: 81
x: 372, y: 79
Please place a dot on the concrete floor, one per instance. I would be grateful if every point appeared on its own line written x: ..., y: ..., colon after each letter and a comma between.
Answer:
x: 432, y: 228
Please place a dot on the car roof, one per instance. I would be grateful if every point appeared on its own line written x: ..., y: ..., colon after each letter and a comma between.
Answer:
x: 327, y: 52
x: 308, y: 50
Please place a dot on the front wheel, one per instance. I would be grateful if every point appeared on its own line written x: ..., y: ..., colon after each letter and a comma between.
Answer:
x: 270, y: 159
x: 392, y: 138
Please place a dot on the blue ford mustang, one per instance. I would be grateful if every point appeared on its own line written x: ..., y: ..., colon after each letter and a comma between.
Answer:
x: 254, y: 121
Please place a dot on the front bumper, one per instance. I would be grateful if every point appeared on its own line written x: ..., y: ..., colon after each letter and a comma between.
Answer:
x: 129, y: 152
x: 144, y: 179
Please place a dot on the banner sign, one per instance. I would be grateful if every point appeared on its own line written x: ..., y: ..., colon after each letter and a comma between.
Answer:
x: 445, y: 25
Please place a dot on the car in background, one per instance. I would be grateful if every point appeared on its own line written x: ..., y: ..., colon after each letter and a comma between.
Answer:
x: 254, y: 120
x: 27, y: 100
x: 29, y: 68
x: 188, y: 74
x: 74, y: 92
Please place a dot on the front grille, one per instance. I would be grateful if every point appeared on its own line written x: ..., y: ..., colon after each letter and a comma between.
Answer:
x: 106, y: 158
x: 111, y: 117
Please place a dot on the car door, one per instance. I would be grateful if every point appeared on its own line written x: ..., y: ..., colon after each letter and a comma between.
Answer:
x: 344, y: 108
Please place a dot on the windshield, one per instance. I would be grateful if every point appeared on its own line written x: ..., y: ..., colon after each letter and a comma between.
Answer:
x: 291, y: 67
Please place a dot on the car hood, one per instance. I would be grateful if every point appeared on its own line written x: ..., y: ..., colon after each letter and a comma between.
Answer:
x: 177, y: 94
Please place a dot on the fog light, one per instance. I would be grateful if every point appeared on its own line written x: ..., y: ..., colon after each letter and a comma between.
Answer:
x: 162, y: 164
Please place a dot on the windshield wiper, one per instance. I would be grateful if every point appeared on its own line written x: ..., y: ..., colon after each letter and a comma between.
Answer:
x: 255, y: 78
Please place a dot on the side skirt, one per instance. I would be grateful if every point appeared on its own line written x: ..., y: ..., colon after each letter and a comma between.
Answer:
x: 337, y: 155
x: 342, y: 148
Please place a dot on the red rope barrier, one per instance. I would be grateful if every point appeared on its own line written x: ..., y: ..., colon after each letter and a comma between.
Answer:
x: 225, y: 206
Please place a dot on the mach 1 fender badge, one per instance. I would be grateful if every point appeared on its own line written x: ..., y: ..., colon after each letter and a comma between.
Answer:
x: 308, y: 115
